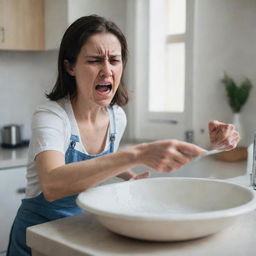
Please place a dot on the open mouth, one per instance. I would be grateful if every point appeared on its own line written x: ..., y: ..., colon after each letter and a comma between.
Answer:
x: 104, y: 87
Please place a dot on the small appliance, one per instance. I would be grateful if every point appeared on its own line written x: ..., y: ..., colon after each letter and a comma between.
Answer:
x: 11, y: 136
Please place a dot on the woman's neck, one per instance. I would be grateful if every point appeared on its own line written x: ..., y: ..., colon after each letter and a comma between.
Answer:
x: 86, y: 112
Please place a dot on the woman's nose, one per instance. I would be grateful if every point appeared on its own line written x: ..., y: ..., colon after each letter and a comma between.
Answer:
x: 106, y: 69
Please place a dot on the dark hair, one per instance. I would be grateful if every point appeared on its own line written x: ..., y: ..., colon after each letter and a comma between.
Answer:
x: 73, y: 40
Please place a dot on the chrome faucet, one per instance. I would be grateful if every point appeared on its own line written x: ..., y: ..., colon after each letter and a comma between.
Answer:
x: 253, y: 174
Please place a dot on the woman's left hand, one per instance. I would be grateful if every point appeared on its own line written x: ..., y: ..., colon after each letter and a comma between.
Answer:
x: 140, y: 176
x: 223, y: 136
x: 130, y: 175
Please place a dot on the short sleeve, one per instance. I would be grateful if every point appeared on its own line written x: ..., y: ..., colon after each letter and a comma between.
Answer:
x: 50, y: 129
x: 121, y: 122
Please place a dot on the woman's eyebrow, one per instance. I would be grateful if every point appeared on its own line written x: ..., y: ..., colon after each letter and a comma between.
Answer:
x: 115, y: 55
x: 93, y: 56
x: 100, y: 56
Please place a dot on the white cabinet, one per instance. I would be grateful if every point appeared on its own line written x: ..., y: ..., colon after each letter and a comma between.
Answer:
x: 12, y: 190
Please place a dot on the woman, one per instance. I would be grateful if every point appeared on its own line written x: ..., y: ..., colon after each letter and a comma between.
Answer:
x: 76, y: 134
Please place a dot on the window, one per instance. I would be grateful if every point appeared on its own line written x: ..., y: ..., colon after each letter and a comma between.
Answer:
x: 160, y: 68
x: 167, y: 55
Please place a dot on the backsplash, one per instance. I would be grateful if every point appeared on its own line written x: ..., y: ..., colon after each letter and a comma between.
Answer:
x: 24, y: 79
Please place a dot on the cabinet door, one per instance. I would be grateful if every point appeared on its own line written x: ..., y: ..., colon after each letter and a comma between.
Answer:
x: 12, y: 190
x: 21, y: 24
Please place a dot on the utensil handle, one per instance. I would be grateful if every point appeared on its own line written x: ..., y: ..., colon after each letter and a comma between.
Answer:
x: 214, y: 151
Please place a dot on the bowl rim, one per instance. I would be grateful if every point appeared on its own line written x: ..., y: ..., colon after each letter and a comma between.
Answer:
x: 226, y: 213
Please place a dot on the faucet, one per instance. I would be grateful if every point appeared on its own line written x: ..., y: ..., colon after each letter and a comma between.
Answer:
x: 253, y: 174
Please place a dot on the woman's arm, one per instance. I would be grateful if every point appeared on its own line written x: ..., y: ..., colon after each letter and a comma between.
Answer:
x: 59, y: 180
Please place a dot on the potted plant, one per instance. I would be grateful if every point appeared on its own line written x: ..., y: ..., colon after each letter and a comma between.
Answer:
x: 237, y: 94
x: 237, y: 97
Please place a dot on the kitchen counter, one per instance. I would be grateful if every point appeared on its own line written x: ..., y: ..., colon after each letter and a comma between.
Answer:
x: 83, y: 235
x: 10, y: 158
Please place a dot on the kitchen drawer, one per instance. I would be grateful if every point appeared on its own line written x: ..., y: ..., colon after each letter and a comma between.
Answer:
x: 12, y: 190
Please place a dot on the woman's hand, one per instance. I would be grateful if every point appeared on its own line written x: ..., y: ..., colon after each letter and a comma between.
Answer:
x: 223, y: 136
x: 167, y: 155
x: 130, y: 175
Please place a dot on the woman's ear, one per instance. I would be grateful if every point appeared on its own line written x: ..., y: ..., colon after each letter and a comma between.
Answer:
x: 69, y: 68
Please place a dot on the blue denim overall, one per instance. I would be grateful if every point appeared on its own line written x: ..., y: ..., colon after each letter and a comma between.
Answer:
x: 38, y: 210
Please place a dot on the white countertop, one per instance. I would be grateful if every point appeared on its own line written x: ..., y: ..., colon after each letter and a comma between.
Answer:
x: 10, y: 158
x: 83, y: 235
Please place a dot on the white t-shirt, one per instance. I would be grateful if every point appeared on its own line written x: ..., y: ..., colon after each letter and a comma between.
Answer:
x: 52, y: 125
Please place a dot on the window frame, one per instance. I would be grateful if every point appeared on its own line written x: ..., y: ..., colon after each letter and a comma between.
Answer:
x: 187, y: 39
x: 142, y: 123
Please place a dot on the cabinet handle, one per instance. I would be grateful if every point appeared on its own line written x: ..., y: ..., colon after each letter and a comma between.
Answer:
x: 21, y: 191
x: 3, y: 34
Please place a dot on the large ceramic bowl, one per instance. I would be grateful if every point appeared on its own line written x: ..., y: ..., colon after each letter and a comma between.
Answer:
x: 168, y: 209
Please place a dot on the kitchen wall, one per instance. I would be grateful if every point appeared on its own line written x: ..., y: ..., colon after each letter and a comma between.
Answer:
x: 26, y: 76
x: 111, y: 9
x: 224, y: 40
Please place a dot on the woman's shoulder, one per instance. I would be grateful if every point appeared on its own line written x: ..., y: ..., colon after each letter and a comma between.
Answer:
x: 50, y: 129
x: 55, y: 107
x: 50, y: 113
x: 119, y: 112
x: 120, y: 117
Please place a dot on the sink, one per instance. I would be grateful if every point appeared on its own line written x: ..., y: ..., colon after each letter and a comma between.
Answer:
x: 168, y: 208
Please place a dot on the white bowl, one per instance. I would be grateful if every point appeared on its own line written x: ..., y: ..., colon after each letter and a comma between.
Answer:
x: 168, y: 209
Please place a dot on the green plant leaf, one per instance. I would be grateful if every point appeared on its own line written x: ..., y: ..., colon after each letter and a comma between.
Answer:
x: 237, y: 95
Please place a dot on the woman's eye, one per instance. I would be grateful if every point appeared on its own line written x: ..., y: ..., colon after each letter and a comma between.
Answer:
x: 93, y: 61
x: 114, y: 61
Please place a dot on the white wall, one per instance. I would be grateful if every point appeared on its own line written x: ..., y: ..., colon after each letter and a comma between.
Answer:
x: 225, y: 40
x: 24, y: 78
x: 110, y: 9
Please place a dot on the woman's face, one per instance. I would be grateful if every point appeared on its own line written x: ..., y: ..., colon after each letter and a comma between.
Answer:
x: 98, y: 69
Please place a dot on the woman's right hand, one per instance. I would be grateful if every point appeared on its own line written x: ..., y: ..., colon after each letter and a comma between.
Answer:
x: 167, y: 155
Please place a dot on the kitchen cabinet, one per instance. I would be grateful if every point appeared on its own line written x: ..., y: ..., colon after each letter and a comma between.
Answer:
x: 12, y: 190
x: 21, y: 24
x: 37, y: 25
x: 31, y: 25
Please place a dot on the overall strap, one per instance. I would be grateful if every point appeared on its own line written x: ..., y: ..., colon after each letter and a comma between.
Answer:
x: 112, y: 136
x: 73, y: 140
